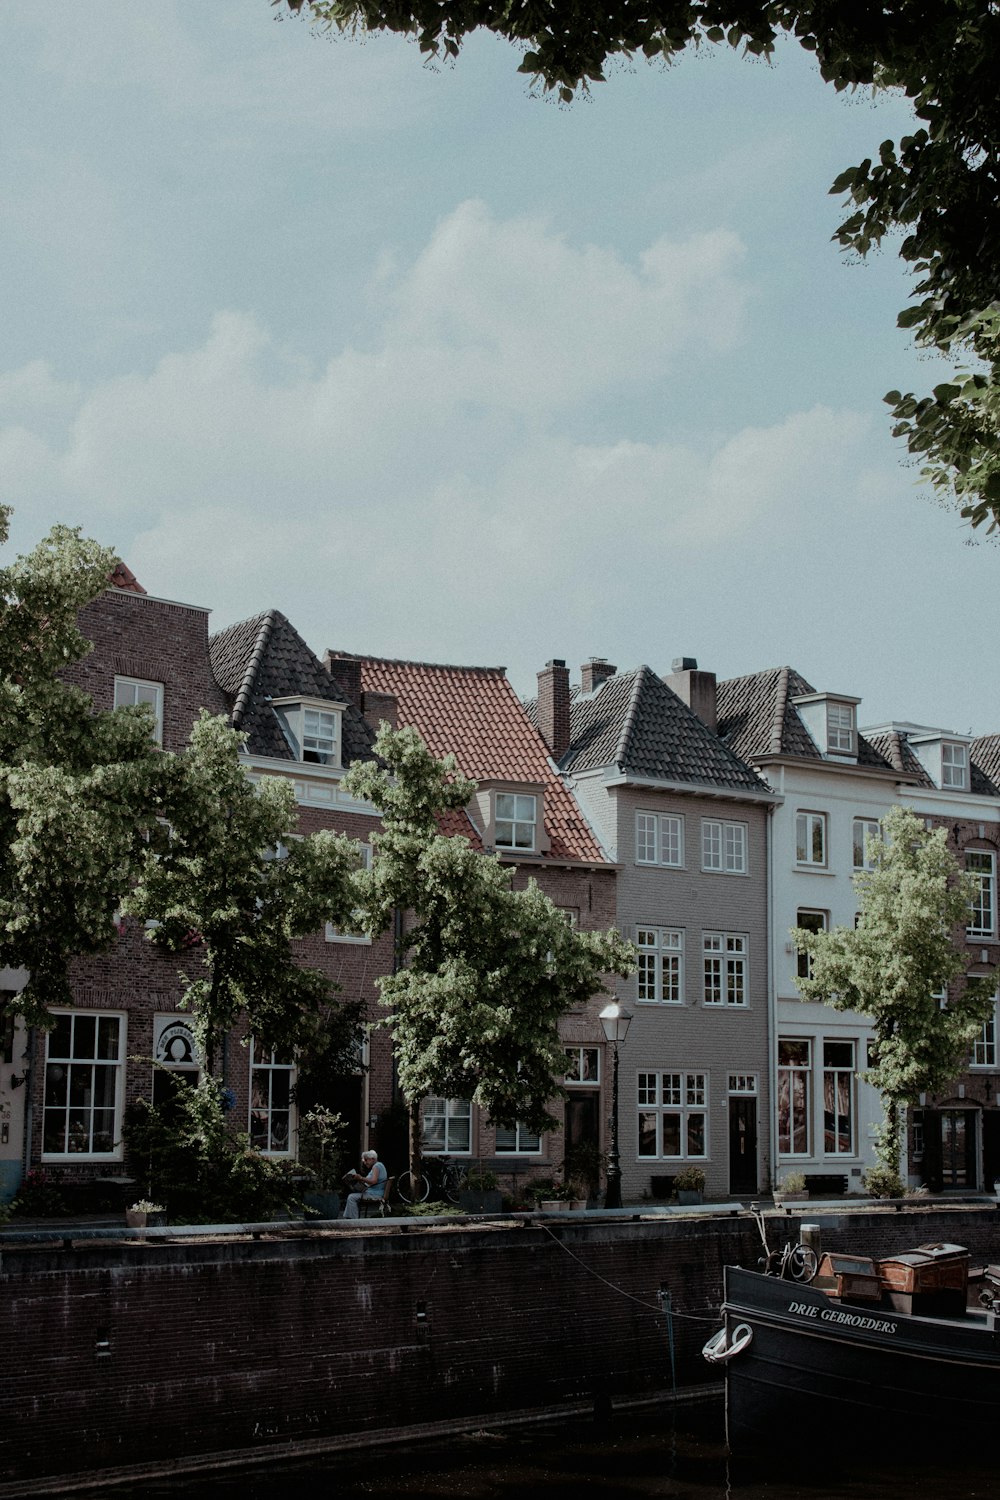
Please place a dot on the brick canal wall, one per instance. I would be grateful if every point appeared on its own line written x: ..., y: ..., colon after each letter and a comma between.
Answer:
x: 117, y: 1354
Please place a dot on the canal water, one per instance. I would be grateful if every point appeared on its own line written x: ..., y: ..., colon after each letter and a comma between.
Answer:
x: 645, y: 1454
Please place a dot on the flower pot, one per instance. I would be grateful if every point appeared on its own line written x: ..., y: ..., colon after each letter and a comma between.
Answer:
x: 138, y: 1218
x: 690, y: 1196
x: 577, y: 1203
x: 780, y: 1198
x: 554, y: 1206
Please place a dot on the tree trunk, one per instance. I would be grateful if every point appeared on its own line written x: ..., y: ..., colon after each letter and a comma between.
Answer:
x: 416, y: 1160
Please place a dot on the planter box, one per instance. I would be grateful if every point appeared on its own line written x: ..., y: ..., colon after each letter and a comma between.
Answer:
x: 690, y: 1196
x: 780, y: 1198
x: 136, y: 1218
x: 554, y: 1205
x: 487, y: 1201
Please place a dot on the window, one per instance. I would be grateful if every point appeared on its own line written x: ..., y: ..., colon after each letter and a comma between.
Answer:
x: 659, y: 839
x: 980, y: 862
x: 132, y: 690
x: 810, y: 838
x: 311, y: 730
x: 838, y: 1098
x: 794, y: 1066
x: 583, y: 1065
x: 673, y: 1115
x: 723, y: 846
x: 811, y: 921
x: 984, y: 1050
x: 447, y: 1126
x: 840, y: 728
x: 355, y: 934
x: 515, y: 820
x: 743, y: 1083
x: 954, y: 765
x: 270, y: 1103
x: 917, y: 1133
x: 725, y: 955
x: 863, y: 830
x: 519, y: 1140
x: 660, y: 969
x: 83, y: 1078
x: 176, y: 1056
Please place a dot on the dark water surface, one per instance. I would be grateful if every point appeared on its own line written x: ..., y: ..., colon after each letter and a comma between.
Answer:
x: 642, y: 1454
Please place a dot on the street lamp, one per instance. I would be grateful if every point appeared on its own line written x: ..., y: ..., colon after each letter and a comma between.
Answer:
x: 616, y: 1022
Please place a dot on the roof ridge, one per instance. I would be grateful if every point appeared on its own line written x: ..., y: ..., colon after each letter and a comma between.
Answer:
x: 777, y: 735
x: 431, y: 666
x: 631, y: 715
x: 243, y: 694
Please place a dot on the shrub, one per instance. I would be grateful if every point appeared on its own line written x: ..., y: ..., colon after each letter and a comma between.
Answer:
x: 792, y: 1182
x: 41, y: 1196
x: 689, y: 1180
x: 881, y: 1182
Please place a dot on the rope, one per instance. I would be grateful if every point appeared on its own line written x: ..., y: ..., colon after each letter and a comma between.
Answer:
x: 650, y: 1306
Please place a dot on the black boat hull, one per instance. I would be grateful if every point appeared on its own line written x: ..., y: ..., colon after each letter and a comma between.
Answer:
x: 818, y: 1374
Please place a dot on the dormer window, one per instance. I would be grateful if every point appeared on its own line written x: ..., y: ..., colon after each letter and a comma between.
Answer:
x: 831, y: 721
x: 516, y: 819
x: 312, y: 729
x: 954, y: 766
x: 840, y: 731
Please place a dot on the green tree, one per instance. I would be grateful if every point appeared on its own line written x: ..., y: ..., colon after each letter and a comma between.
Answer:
x: 484, y: 971
x: 938, y: 188
x: 230, y: 885
x: 906, y: 949
x: 76, y: 788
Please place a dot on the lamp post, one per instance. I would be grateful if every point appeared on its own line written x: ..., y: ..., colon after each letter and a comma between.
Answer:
x: 616, y: 1021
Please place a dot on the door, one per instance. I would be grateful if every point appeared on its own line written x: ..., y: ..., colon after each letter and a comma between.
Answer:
x: 958, y: 1149
x: 743, y: 1144
x: 991, y: 1147
x: 582, y: 1139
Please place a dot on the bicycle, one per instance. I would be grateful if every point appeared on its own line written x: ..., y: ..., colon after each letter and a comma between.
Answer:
x: 791, y: 1262
x: 446, y: 1176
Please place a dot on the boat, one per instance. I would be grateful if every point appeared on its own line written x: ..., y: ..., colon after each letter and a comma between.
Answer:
x: 862, y: 1353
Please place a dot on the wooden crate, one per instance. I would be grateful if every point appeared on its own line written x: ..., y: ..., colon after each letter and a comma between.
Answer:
x: 853, y: 1277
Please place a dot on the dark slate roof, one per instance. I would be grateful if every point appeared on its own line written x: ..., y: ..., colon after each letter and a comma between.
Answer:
x: 757, y: 718
x: 636, y: 722
x: 264, y: 658
x: 985, y: 759
x: 895, y: 750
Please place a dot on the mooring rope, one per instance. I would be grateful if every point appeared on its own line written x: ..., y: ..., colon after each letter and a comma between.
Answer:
x: 652, y: 1307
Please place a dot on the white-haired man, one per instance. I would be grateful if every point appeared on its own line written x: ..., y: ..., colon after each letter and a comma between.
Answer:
x: 369, y: 1184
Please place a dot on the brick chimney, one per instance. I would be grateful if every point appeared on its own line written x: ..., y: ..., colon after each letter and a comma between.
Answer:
x: 346, y: 673
x: 553, y: 707
x: 380, y: 708
x: 595, y: 671
x: 697, y: 689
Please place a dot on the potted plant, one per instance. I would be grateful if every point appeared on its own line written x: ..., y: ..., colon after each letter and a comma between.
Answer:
x: 145, y: 1215
x: 689, y: 1185
x: 320, y: 1153
x: 586, y: 1165
x: 481, y: 1194
x: 791, y: 1188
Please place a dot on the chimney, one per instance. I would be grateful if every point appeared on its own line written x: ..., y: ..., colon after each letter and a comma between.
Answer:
x: 553, y: 707
x: 380, y: 708
x: 346, y: 673
x: 697, y: 689
x: 595, y: 671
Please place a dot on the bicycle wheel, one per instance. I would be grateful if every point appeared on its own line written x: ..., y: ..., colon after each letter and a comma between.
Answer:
x: 802, y: 1263
x: 453, y: 1183
x: 404, y: 1187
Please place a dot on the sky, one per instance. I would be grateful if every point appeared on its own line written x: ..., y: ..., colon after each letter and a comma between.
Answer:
x: 445, y: 370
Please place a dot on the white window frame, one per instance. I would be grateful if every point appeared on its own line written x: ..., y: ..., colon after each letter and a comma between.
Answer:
x: 725, y: 970
x: 862, y: 829
x: 520, y: 1136
x: 984, y: 906
x: 266, y: 1069
x: 799, y: 1107
x: 660, y: 967
x: 723, y: 846
x: 300, y: 723
x: 342, y: 935
x: 72, y: 1064
x: 520, y: 823
x: 835, y: 1076
x: 803, y: 963
x: 984, y: 1048
x: 680, y: 1097
x: 130, y: 691
x: 457, y: 1117
x: 659, y: 839
x: 807, y: 822
x: 579, y: 1062
x: 841, y: 728
x: 954, y: 766
x: 743, y: 1084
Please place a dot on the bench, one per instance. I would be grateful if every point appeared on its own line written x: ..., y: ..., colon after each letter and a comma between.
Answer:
x: 827, y: 1184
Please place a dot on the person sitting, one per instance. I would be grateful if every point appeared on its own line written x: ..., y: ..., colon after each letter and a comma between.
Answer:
x: 369, y: 1184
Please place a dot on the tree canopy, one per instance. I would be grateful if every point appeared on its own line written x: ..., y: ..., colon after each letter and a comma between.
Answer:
x: 937, y: 188
x: 905, y: 953
x: 485, y: 971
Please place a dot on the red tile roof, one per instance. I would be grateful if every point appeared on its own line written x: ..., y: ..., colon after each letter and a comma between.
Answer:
x: 474, y: 714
